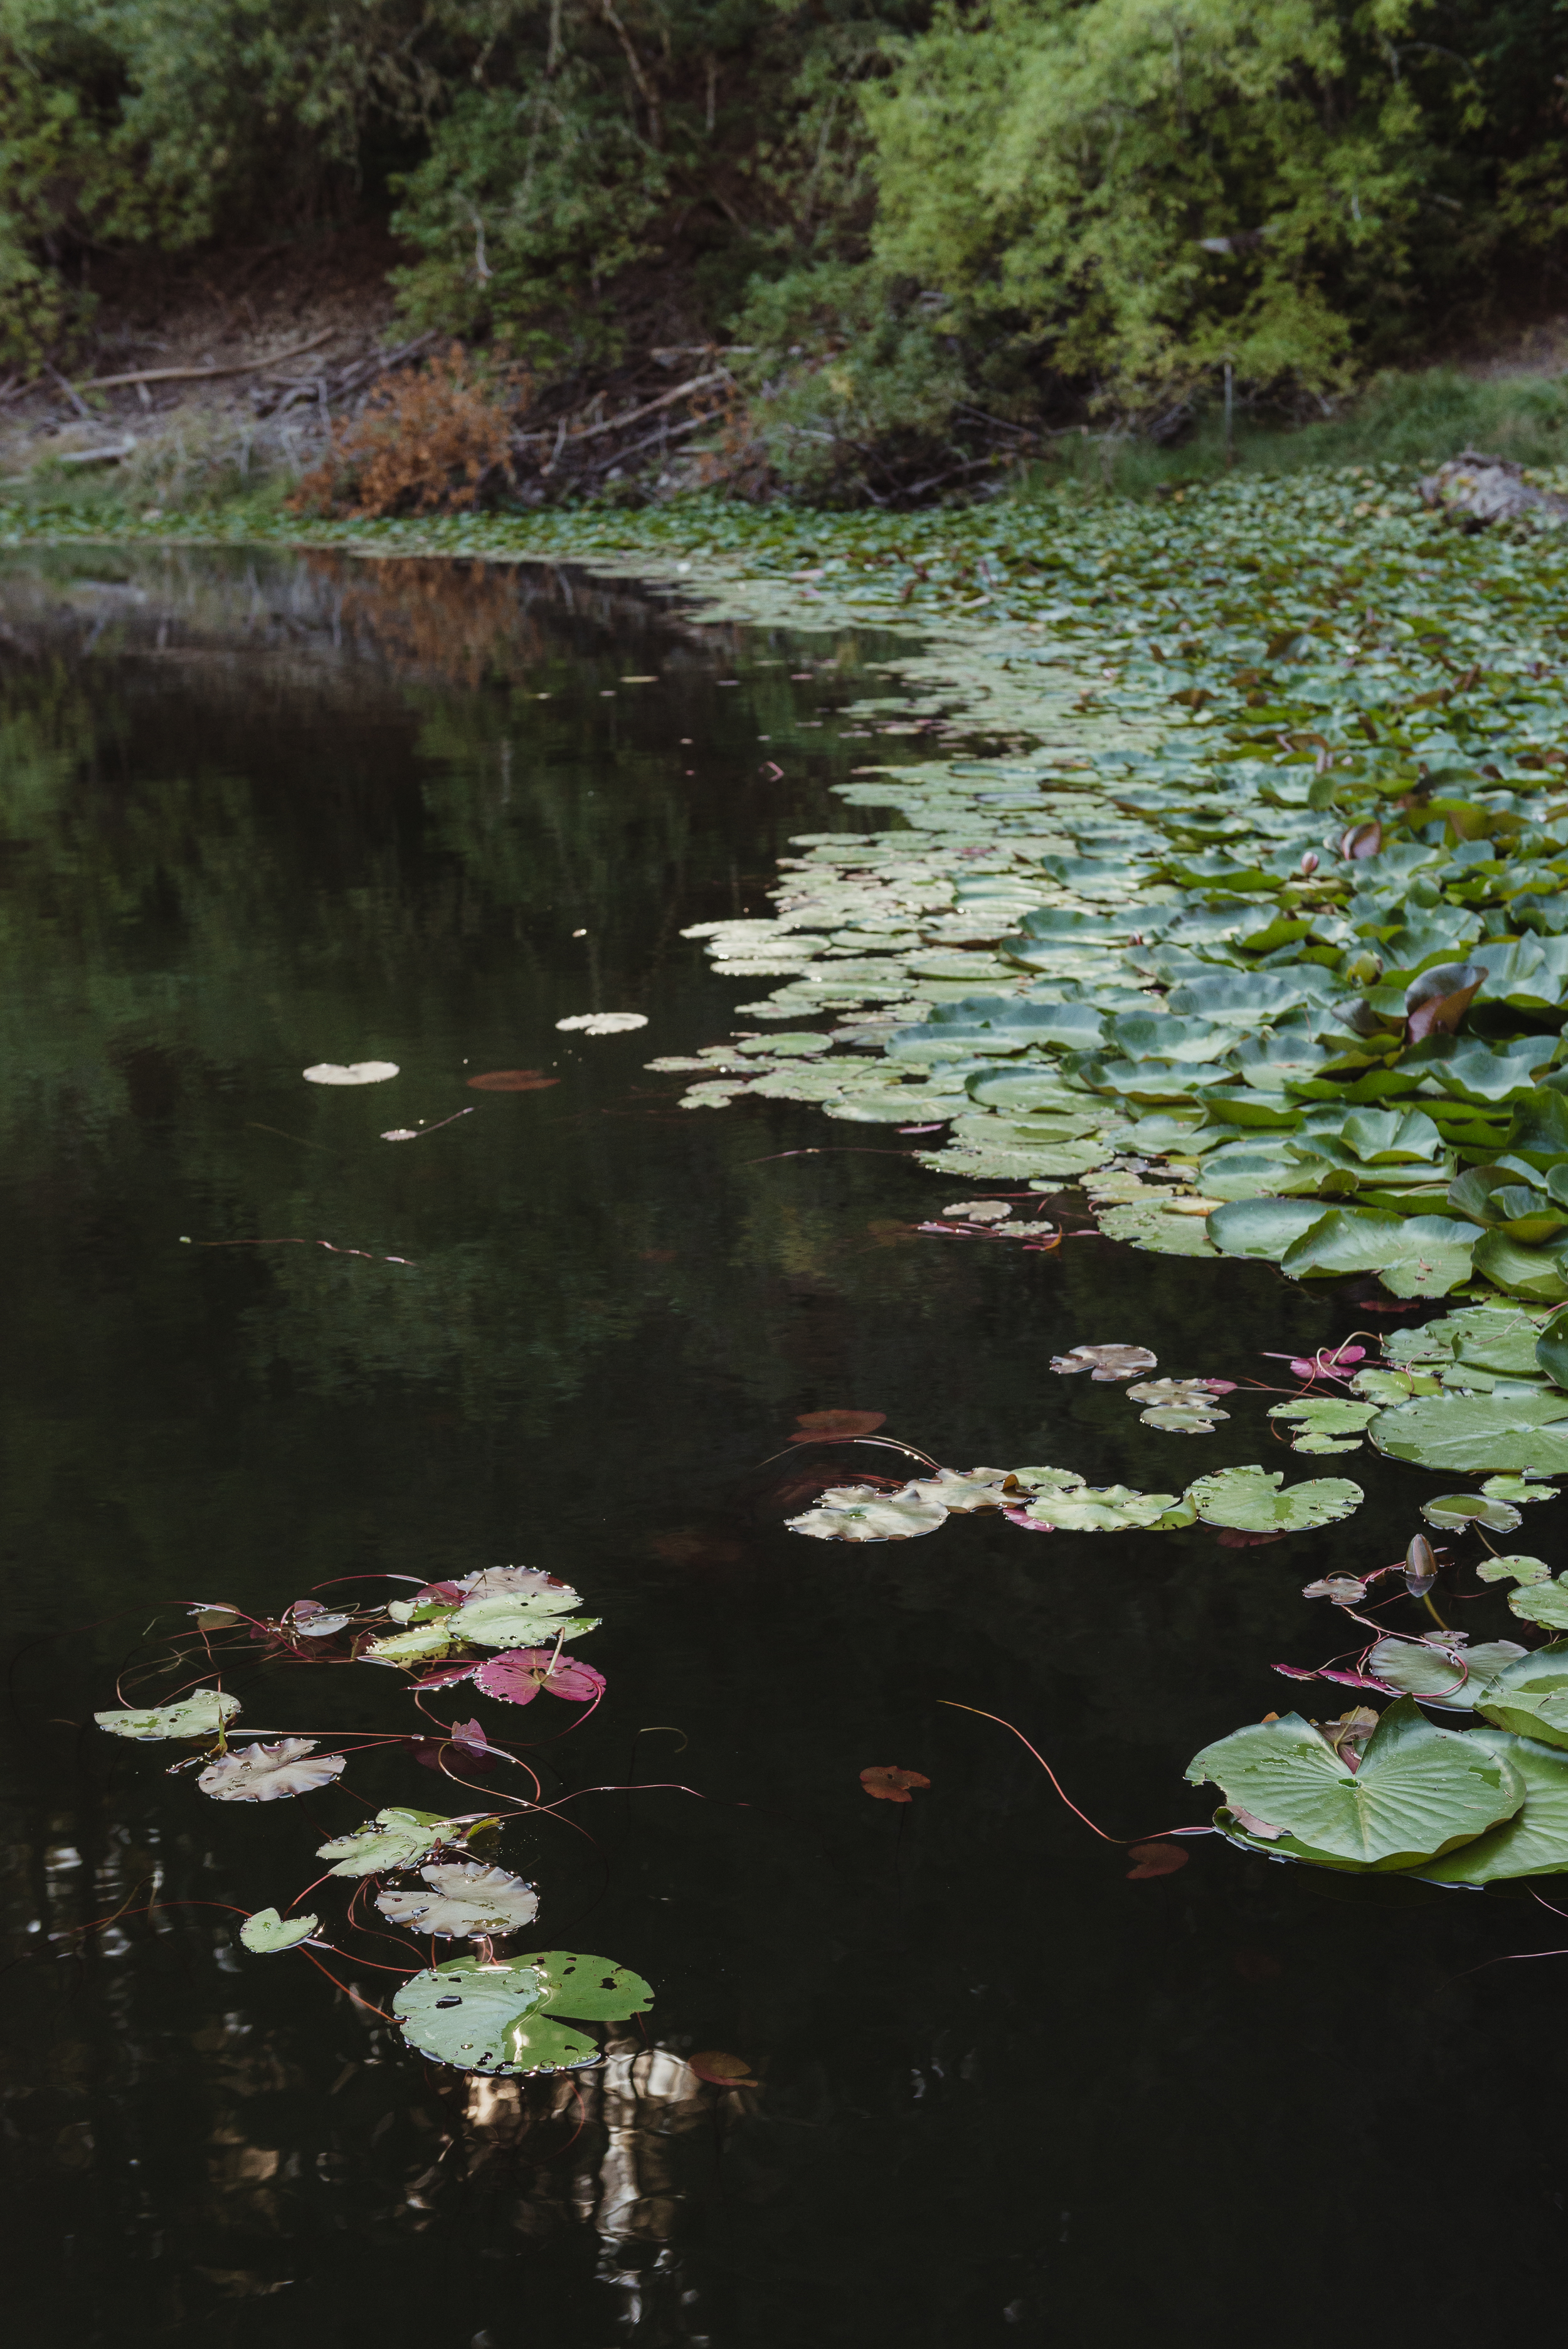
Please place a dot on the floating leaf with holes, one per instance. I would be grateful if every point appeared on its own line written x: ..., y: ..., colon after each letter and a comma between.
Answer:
x: 1419, y: 1791
x: 265, y: 1932
x: 462, y: 1897
x: 1251, y: 1500
x: 1470, y: 1435
x: 1100, y: 1509
x: 202, y: 1713
x: 859, y: 1513
x: 506, y: 2017
x: 271, y: 1774
x: 396, y: 1837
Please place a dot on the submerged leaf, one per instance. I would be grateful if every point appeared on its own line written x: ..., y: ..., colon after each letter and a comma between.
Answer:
x: 265, y: 1932
x: 1419, y: 1791
x: 891, y: 1785
x: 815, y: 1424
x: 511, y: 1080
x: 202, y: 1713
x: 1156, y: 1860
x: 463, y: 1897
x: 269, y: 1774
x: 722, y: 2071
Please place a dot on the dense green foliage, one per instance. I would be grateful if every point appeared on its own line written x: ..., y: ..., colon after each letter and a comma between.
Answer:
x: 900, y: 214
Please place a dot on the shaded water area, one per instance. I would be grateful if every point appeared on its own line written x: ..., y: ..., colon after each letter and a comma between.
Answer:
x: 260, y: 812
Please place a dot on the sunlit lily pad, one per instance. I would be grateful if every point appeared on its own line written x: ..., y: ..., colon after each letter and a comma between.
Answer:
x: 354, y: 1072
x: 1419, y: 1791
x: 504, y: 2017
x: 265, y: 1932
x: 462, y: 1897
x: 202, y: 1713
x: 504, y: 1618
x: 269, y: 1774
x: 1251, y: 1500
x: 1468, y: 1435
x: 1100, y: 1509
x: 1545, y: 1603
x: 393, y: 1838
x: 859, y: 1513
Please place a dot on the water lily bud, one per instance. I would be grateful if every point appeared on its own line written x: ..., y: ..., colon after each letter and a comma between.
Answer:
x: 1308, y: 864
x: 1420, y: 1568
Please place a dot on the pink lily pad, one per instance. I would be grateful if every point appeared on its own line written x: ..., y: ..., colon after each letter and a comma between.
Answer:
x: 517, y: 1674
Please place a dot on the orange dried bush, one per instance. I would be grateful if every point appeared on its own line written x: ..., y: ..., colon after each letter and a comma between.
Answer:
x: 425, y: 446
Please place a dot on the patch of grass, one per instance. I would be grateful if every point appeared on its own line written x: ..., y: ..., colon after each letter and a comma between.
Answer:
x: 1399, y: 420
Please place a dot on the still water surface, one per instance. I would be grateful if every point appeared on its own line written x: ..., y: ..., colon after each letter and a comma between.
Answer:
x: 260, y: 812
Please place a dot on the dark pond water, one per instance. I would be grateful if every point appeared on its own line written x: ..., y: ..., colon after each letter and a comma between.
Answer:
x: 258, y: 814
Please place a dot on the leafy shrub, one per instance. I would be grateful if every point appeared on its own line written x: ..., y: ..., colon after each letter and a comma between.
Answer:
x: 1139, y: 190
x: 427, y: 445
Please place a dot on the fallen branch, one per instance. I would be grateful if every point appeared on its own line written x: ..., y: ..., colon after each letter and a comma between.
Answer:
x: 199, y: 375
x: 665, y: 399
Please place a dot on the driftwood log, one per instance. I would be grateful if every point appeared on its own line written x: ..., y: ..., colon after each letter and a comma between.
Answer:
x: 1474, y: 490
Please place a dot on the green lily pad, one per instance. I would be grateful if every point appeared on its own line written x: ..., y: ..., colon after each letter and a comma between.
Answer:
x: 1418, y: 1255
x: 1529, y: 1272
x: 1469, y: 1435
x: 1515, y: 1568
x: 1545, y: 1603
x: 417, y: 1645
x: 1325, y: 1415
x: 1266, y: 1228
x: 522, y: 1618
x: 1419, y: 1791
x: 1531, y: 1696
x: 200, y: 1715
x: 393, y: 1838
x: 1518, y: 1490
x: 1449, y: 1511
x: 1102, y: 1509
x: 1251, y: 1500
x: 265, y: 1932
x: 1535, y: 1842
x: 505, y: 2018
x: 1442, y: 1669
x: 1552, y: 1349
